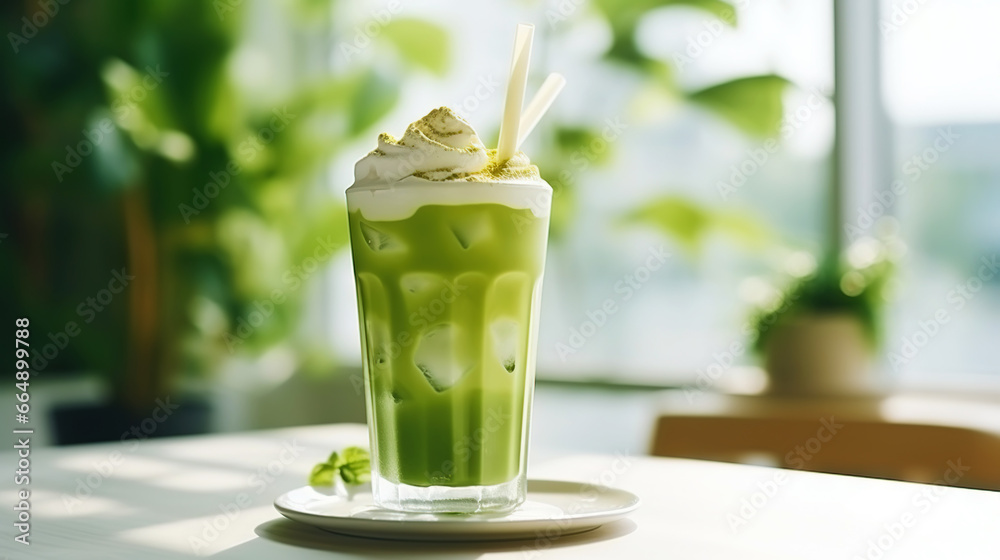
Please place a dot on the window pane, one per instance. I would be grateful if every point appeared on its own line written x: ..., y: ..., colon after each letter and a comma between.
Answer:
x: 942, y: 92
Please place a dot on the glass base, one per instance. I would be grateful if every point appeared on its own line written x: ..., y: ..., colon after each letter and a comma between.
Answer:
x: 449, y: 499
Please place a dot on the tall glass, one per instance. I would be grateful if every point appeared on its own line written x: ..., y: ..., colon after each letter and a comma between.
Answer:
x: 449, y: 280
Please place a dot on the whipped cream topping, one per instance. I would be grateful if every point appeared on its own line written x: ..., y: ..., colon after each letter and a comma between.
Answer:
x: 400, y: 200
x: 442, y: 146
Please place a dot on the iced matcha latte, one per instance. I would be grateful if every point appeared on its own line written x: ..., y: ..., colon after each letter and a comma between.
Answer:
x: 448, y: 247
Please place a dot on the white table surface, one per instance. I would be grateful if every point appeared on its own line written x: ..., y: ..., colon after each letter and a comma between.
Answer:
x: 163, y: 495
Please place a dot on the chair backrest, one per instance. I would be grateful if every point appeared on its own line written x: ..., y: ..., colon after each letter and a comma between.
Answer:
x: 912, y: 452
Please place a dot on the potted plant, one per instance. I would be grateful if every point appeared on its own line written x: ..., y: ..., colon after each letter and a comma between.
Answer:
x: 819, y: 336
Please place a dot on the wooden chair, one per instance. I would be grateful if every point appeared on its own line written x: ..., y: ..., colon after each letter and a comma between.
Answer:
x: 834, y: 438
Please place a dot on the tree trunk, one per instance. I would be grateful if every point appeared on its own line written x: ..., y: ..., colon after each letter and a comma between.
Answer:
x: 143, y: 380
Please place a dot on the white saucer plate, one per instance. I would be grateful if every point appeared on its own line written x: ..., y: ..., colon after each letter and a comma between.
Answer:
x: 552, y: 509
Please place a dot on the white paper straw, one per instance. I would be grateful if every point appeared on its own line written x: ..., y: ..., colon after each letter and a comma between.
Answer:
x: 537, y: 107
x: 515, y: 92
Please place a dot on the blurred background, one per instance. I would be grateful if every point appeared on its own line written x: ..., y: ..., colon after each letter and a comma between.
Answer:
x: 172, y: 221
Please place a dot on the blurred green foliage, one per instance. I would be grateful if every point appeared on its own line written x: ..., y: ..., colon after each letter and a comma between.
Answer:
x: 208, y: 147
x: 752, y: 104
x: 421, y: 43
x: 625, y: 15
x: 857, y: 289
x: 691, y: 224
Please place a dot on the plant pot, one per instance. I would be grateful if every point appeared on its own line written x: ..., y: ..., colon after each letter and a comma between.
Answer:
x: 819, y: 355
x: 92, y: 423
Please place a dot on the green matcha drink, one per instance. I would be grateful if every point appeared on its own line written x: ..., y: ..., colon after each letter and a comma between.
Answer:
x: 448, y: 253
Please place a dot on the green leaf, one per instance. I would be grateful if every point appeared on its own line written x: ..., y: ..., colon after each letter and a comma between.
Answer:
x: 678, y: 217
x: 355, y: 454
x: 348, y: 476
x: 744, y: 228
x: 334, y: 460
x: 140, y: 110
x: 718, y: 8
x: 631, y: 10
x: 310, y: 12
x: 357, y: 465
x: 322, y: 475
x: 352, y: 464
x: 358, y: 99
x: 116, y: 161
x: 624, y: 17
x: 753, y: 104
x: 623, y: 48
x: 420, y: 42
x: 373, y: 99
x: 324, y: 230
x: 690, y: 223
x: 574, y: 142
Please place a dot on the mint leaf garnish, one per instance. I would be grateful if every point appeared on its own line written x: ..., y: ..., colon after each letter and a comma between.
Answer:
x: 352, y: 464
x: 357, y: 465
x: 322, y: 475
